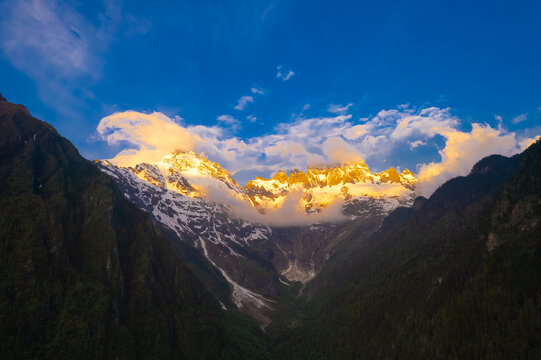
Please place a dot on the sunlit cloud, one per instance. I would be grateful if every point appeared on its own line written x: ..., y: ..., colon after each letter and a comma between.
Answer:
x: 284, y: 75
x: 148, y: 137
x: 462, y: 150
x: 338, y: 151
x: 525, y: 143
x: 291, y: 211
x: 320, y: 140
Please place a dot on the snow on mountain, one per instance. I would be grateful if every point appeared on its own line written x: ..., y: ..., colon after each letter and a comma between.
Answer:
x: 191, y: 196
x: 205, y: 225
x: 322, y: 186
x: 191, y: 175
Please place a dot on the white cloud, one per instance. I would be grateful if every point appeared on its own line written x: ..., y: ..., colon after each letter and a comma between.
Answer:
x: 290, y: 213
x: 499, y: 119
x: 58, y: 48
x: 256, y: 90
x: 233, y: 123
x: 429, y: 121
x: 415, y: 144
x: 285, y: 75
x: 53, y: 33
x: 339, y: 109
x: 520, y: 118
x: 251, y: 118
x: 243, y: 102
x: 333, y: 140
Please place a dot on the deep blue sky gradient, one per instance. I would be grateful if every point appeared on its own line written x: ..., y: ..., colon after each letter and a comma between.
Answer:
x: 195, y: 59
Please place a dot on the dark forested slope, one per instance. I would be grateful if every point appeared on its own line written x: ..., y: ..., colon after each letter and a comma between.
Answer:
x: 84, y: 273
x: 458, y: 278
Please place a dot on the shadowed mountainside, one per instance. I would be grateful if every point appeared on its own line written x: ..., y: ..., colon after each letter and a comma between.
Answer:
x: 458, y: 277
x: 86, y: 274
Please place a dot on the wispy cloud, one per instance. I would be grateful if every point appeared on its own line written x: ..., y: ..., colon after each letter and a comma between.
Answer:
x: 58, y: 48
x: 230, y: 121
x: 243, y: 102
x: 416, y: 144
x: 340, y: 139
x: 257, y: 90
x: 499, y: 119
x: 339, y: 109
x: 52, y: 32
x: 246, y: 99
x: 283, y: 74
x: 520, y: 118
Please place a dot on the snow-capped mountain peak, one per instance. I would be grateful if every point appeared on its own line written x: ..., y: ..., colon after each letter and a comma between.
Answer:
x: 191, y: 175
x: 322, y: 185
x: 190, y: 196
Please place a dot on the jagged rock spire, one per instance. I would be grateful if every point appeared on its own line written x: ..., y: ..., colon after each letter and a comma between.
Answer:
x: 2, y: 99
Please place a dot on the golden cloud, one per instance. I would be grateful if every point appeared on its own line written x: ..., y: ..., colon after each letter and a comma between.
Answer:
x: 462, y: 150
x: 151, y: 136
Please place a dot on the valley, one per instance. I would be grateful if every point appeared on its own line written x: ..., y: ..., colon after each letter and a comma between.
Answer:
x: 175, y: 259
x: 204, y: 207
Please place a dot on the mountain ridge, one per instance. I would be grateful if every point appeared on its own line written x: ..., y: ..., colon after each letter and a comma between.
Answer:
x: 184, y: 172
x: 321, y: 186
x: 84, y: 273
x: 256, y: 259
x: 455, y: 277
x: 108, y: 262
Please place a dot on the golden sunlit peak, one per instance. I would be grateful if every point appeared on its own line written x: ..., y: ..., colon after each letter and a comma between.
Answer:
x: 323, y: 185
x: 390, y: 175
x: 344, y: 164
x: 280, y: 176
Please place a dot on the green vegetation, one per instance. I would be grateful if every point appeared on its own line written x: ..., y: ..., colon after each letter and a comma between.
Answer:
x: 458, y: 279
x: 84, y: 273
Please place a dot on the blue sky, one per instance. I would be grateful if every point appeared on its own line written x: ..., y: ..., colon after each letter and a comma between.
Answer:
x: 72, y: 63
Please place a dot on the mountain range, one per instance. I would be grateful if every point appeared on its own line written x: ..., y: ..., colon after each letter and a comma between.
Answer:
x: 175, y: 259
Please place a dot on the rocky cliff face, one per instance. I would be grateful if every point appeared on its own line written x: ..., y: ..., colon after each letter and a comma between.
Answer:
x: 225, y: 242
x: 190, y: 175
x: 196, y: 200
x: 83, y: 272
